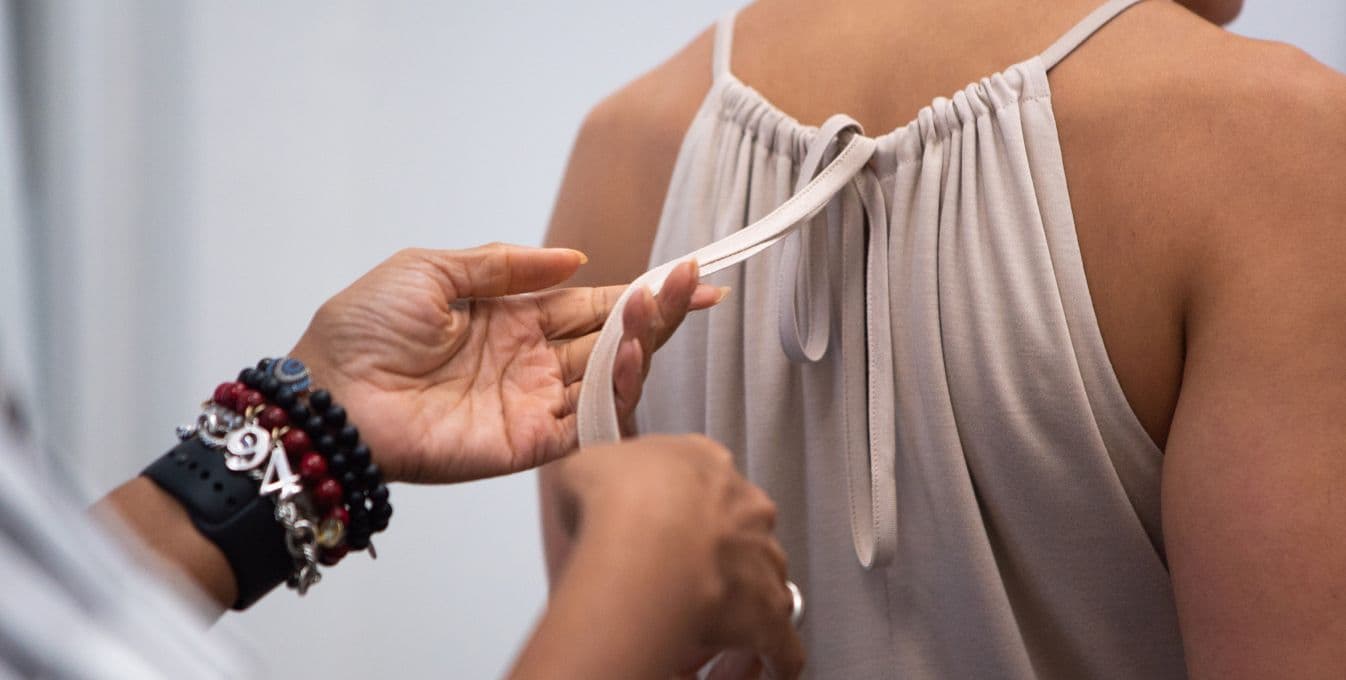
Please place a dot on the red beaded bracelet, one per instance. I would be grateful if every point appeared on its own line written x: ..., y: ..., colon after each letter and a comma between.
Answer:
x: 269, y: 423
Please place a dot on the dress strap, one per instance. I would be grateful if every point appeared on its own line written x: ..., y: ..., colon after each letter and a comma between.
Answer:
x: 724, y: 44
x: 1083, y: 30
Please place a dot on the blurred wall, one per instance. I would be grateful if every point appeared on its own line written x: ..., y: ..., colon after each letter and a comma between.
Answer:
x: 1316, y: 26
x: 206, y: 173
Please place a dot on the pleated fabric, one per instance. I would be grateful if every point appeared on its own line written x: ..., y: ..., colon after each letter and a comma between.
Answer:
x: 1025, y: 525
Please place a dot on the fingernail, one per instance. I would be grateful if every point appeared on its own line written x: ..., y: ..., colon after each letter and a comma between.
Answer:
x: 724, y: 293
x: 584, y: 259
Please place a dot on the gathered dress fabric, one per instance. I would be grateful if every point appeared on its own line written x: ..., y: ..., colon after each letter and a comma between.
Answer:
x: 917, y: 378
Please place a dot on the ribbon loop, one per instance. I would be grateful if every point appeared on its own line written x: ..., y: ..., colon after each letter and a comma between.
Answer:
x: 870, y: 468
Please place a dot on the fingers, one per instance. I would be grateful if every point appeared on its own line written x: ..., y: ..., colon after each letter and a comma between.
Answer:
x: 763, y: 509
x: 571, y: 312
x: 573, y: 357
x: 777, y: 641
x: 640, y: 320
x: 736, y: 664
x: 783, y: 655
x: 626, y: 380
x: 500, y: 269
x: 695, y: 659
x: 571, y: 403
x: 567, y: 433
x: 707, y: 296
x: 655, y: 320
x: 647, y: 321
x: 671, y: 304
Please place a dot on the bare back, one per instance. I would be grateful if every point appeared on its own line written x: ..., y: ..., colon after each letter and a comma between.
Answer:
x: 1201, y: 169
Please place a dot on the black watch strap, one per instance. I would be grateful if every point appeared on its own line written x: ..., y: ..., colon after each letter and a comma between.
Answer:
x: 226, y: 508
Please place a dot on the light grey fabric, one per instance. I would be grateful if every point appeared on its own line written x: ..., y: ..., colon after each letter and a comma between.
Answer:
x: 74, y: 606
x: 1025, y: 494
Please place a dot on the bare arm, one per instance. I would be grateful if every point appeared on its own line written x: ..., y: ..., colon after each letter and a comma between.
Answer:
x: 1254, y: 495
x: 161, y: 523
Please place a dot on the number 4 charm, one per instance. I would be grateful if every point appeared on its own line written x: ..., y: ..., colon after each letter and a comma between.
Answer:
x: 279, y: 478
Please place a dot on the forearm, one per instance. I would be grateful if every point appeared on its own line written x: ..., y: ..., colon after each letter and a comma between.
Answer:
x: 607, y: 617
x: 162, y: 525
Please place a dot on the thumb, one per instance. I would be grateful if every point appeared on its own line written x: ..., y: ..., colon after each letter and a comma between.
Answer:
x: 501, y: 269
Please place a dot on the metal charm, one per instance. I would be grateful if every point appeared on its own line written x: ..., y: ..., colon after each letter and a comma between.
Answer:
x: 302, y: 543
x: 214, y: 424
x: 247, y: 447
x: 279, y: 479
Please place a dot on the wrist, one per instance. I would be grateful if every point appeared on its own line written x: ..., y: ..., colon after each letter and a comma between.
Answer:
x: 162, y: 525
x: 320, y: 373
x: 277, y: 478
x: 326, y: 375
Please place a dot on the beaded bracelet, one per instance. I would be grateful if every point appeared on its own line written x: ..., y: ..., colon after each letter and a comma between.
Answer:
x: 271, y: 422
x: 334, y: 464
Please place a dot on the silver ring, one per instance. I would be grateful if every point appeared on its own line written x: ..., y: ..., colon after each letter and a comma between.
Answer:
x: 796, y: 604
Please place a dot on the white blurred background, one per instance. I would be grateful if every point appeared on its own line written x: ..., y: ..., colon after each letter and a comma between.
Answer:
x: 182, y: 183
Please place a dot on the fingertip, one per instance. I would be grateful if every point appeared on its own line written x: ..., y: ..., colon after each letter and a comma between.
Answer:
x: 678, y: 288
x: 706, y: 296
x: 565, y: 257
x: 693, y: 268
x: 693, y: 272
x: 503, y: 269
x: 579, y: 256
x: 683, y: 277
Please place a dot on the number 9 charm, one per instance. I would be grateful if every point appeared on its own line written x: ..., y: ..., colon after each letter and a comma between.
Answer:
x: 248, y: 448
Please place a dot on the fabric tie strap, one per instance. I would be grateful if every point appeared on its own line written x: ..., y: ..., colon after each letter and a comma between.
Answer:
x: 870, y: 466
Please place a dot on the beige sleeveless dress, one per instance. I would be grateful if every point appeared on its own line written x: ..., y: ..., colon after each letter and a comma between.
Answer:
x: 918, y: 380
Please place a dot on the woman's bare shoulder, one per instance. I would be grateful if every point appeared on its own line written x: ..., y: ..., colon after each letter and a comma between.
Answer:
x: 621, y: 164
x: 1219, y: 131
x: 1269, y: 123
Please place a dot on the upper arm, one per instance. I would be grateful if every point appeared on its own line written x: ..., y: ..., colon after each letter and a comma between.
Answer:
x: 620, y: 167
x: 613, y: 193
x: 1254, y: 484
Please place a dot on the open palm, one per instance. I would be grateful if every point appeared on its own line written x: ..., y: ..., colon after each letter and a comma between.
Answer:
x: 455, y: 369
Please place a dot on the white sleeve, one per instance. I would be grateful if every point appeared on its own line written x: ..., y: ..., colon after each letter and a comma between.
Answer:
x: 75, y: 606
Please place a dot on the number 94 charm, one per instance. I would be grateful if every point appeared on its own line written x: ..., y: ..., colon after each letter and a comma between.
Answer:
x: 249, y: 446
